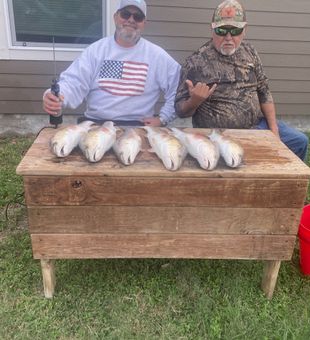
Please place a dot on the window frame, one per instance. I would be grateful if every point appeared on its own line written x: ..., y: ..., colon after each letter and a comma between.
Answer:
x: 38, y: 51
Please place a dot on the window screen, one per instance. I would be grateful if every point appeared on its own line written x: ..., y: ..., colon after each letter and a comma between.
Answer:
x: 36, y: 22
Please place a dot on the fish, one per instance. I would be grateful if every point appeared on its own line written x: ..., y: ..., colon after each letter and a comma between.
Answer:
x: 167, y: 147
x: 127, y: 146
x: 98, y: 141
x: 66, y: 139
x: 231, y: 152
x: 199, y: 147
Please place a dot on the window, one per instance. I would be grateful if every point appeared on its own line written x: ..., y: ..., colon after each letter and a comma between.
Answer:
x: 68, y: 22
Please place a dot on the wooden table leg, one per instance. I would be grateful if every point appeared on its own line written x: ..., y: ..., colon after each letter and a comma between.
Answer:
x: 271, y: 270
x: 49, y: 280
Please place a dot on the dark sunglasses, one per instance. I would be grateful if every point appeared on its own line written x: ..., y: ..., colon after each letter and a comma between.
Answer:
x: 222, y: 31
x: 137, y: 17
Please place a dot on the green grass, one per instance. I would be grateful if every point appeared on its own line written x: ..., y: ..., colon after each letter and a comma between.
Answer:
x: 11, y: 189
x: 137, y: 299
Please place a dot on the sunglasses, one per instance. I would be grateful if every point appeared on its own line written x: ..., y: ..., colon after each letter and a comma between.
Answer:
x: 137, y: 17
x: 222, y: 31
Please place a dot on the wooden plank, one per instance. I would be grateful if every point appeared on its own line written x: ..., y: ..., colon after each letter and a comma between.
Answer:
x: 300, y: 111
x: 260, y: 247
x: 290, y: 73
x: 24, y: 94
x: 25, y: 80
x: 265, y: 157
x: 294, y: 33
x: 29, y: 107
x: 152, y: 220
x: 291, y: 98
x: 286, y: 47
x: 286, y: 60
x: 270, y: 276
x: 196, y: 192
x: 188, y: 29
x: 285, y: 6
x: 191, y: 44
x: 49, y: 278
x: 301, y: 86
x: 204, y: 15
x: 32, y: 67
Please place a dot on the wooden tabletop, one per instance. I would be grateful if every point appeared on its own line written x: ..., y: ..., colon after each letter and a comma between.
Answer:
x: 265, y: 157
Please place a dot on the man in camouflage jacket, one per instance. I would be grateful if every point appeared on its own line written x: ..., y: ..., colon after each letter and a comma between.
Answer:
x: 223, y: 84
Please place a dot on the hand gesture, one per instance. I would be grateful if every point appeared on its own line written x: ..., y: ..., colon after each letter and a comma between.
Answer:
x: 200, y: 92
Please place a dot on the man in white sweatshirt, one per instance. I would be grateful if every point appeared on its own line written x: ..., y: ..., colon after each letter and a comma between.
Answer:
x: 121, y: 77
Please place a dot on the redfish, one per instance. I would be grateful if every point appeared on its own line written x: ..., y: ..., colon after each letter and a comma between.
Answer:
x: 98, y: 141
x: 66, y: 139
x: 231, y: 152
x: 127, y: 146
x: 199, y: 147
x: 167, y: 147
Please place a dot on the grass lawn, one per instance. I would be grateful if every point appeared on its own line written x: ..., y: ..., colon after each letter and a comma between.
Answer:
x: 137, y: 299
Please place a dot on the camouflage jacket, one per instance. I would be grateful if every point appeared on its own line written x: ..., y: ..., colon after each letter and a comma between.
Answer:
x: 242, y: 86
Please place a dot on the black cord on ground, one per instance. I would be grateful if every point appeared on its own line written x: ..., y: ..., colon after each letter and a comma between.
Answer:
x: 13, y: 201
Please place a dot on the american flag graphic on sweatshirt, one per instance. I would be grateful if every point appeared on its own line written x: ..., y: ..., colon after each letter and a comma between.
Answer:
x: 123, y: 78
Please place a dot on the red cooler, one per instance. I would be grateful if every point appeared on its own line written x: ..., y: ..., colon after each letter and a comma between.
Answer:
x: 304, y: 240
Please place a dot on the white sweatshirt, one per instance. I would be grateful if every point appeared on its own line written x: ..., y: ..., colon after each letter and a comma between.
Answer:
x: 121, y: 83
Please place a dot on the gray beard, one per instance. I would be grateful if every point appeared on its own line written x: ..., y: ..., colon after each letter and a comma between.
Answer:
x: 227, y: 53
x: 129, y: 37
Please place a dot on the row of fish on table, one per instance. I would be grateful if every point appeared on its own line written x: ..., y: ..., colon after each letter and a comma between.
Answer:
x: 170, y: 145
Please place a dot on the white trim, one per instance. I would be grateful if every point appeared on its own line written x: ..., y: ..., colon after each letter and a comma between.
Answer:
x: 7, y: 22
x: 8, y: 51
x: 111, y: 9
x: 5, y: 35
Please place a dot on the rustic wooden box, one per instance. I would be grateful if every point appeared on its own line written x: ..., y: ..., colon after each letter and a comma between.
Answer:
x: 108, y: 210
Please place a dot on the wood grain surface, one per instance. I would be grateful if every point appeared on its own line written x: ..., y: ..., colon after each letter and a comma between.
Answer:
x: 265, y: 157
x: 152, y: 220
x: 157, y: 191
x: 262, y: 247
x: 78, y: 209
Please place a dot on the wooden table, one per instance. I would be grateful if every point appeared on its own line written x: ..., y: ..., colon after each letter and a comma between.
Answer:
x: 80, y: 210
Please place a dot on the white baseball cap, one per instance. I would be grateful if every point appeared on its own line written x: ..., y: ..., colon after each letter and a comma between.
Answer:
x: 137, y: 3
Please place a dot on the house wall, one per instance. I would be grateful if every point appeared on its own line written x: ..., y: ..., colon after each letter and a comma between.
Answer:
x: 279, y: 29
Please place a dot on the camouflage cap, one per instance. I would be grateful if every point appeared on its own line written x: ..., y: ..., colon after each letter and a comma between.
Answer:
x: 229, y: 13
